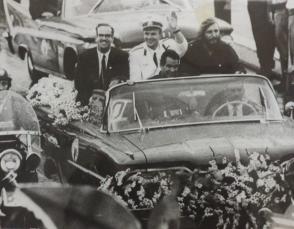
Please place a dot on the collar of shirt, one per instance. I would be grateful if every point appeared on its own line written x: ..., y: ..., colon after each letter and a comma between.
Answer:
x: 100, y: 56
x: 150, y: 52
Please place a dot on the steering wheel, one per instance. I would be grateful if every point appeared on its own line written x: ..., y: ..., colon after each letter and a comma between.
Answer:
x: 234, y: 103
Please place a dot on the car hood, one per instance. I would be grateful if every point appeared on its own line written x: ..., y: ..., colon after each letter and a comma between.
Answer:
x: 127, y: 23
x: 196, y: 145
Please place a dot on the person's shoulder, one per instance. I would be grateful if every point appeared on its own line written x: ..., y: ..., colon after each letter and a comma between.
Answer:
x: 225, y: 45
x: 168, y: 42
x: 195, y: 47
x: 119, y: 52
x: 88, y: 52
x: 137, y: 48
x: 197, y: 44
x: 228, y: 49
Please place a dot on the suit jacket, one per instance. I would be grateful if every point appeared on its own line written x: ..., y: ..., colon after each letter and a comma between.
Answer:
x: 197, y: 60
x: 87, y: 77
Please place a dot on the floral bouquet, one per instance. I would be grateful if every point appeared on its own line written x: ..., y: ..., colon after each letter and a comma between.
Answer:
x: 60, y: 98
x: 227, y: 195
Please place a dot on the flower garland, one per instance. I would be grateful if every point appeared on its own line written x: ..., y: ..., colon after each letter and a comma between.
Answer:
x: 229, y: 195
x: 60, y: 97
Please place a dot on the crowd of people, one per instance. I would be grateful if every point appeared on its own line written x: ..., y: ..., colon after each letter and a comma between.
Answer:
x: 104, y: 66
x: 272, y: 26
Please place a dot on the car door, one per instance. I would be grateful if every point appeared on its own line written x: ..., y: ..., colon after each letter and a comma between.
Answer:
x: 16, y: 17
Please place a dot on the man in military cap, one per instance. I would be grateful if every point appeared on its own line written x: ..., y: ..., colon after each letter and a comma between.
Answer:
x: 5, y: 80
x: 144, y: 58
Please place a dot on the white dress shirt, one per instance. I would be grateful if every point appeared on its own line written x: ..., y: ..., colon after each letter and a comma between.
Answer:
x: 100, y: 57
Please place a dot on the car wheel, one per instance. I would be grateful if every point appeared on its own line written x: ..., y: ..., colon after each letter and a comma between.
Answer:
x: 34, y: 74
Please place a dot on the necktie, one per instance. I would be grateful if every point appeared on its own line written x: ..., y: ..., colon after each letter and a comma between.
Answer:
x: 155, y: 59
x: 103, y: 70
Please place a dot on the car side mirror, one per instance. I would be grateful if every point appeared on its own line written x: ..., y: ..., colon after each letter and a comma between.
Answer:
x: 96, y: 106
x: 289, y: 109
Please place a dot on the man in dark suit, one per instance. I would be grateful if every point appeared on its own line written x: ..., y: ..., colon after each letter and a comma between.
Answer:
x: 102, y: 66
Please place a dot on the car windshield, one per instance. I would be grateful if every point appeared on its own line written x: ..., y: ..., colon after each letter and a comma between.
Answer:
x: 188, y: 101
x: 122, y: 5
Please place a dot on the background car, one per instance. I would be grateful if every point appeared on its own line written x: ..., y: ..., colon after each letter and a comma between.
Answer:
x: 51, y: 34
x: 191, y: 122
x: 19, y: 140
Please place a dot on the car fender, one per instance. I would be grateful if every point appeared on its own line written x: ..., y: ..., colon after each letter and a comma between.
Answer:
x: 22, y: 50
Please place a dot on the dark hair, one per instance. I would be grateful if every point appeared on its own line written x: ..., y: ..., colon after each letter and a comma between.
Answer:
x: 104, y: 24
x: 168, y: 53
x: 206, y: 24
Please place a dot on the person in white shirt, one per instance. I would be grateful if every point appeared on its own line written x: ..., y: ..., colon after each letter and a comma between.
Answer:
x: 144, y: 58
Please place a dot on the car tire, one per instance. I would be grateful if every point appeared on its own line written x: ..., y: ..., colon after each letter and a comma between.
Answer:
x: 34, y: 74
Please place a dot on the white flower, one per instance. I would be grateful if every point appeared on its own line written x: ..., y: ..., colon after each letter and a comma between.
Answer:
x: 58, y: 97
x: 186, y: 191
x: 259, y: 183
x: 240, y: 197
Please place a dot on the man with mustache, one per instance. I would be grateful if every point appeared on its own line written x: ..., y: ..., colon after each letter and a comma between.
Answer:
x: 209, y: 54
x: 102, y: 66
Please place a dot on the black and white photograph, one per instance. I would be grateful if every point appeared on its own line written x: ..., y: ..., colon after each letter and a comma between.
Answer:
x: 147, y: 114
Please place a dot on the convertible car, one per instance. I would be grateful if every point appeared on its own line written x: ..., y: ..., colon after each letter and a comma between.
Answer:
x: 52, y: 33
x: 170, y: 124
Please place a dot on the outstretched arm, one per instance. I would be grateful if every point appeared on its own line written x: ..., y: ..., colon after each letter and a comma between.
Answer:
x: 179, y: 36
